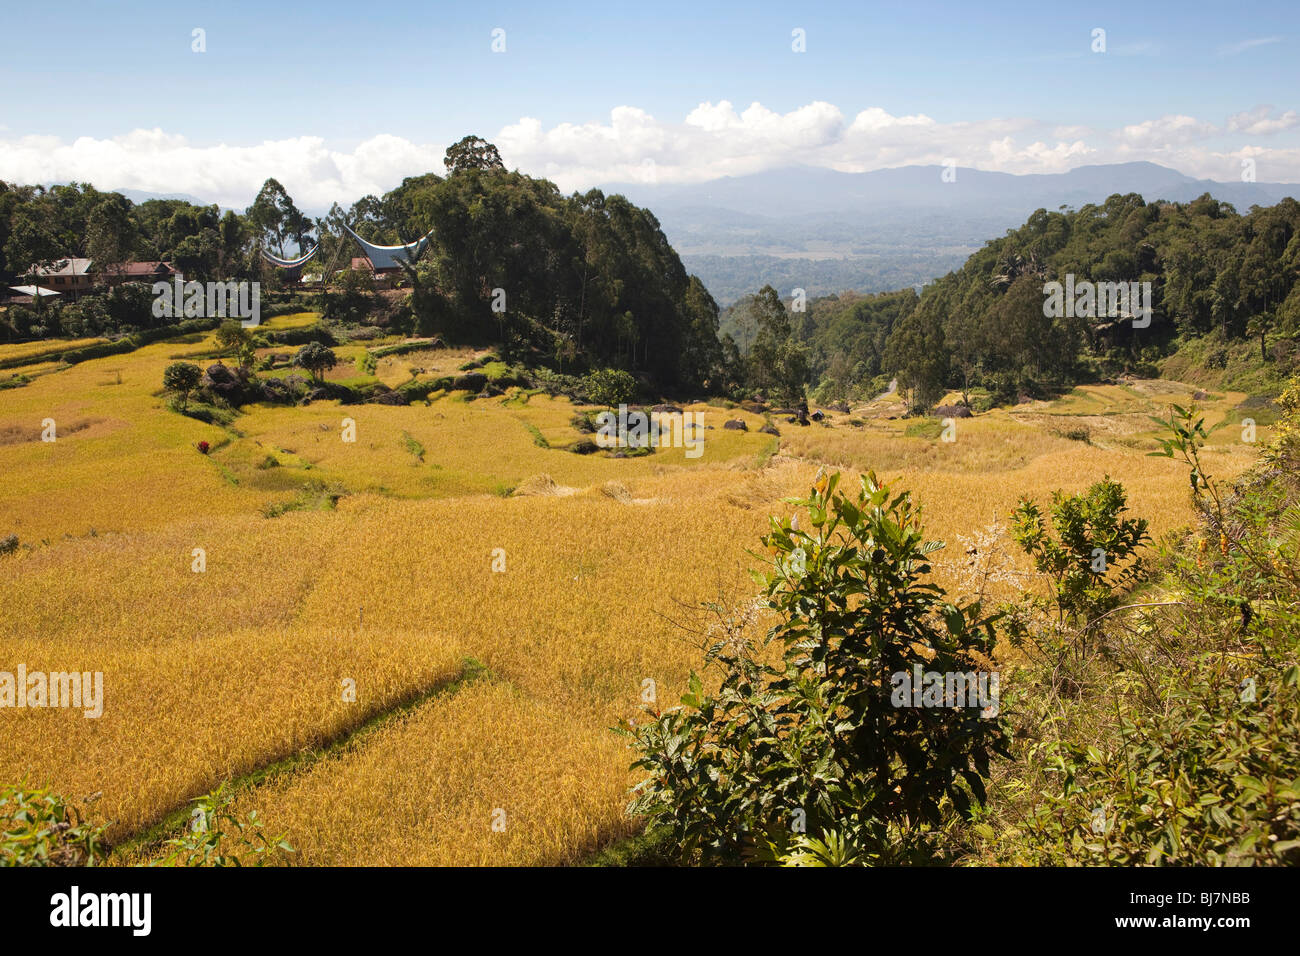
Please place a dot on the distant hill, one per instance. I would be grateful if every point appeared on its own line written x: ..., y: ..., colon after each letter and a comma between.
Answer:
x: 828, y: 231
x: 139, y: 195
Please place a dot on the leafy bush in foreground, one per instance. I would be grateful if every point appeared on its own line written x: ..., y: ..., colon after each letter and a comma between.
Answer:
x: 814, y: 748
x: 39, y: 828
x: 217, y: 836
x: 1178, y: 742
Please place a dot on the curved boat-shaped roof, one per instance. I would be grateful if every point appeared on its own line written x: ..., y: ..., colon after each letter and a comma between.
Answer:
x: 288, y: 263
x: 390, y: 257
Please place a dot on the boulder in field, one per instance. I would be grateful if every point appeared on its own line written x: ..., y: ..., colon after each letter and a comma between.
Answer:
x: 275, y: 390
x: 736, y: 425
x: 769, y: 430
x: 229, y: 385
x: 469, y: 382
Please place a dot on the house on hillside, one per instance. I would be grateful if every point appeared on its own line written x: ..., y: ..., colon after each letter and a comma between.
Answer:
x: 386, y: 261
x: 69, y: 277
x: 148, y: 272
x: 25, y: 294
x: 384, y: 278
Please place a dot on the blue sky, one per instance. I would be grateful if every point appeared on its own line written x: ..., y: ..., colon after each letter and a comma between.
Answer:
x: 424, y: 73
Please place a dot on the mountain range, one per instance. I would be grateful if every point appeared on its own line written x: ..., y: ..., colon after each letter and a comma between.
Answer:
x: 826, y: 231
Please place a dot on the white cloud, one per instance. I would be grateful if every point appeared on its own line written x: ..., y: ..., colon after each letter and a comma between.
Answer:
x: 1259, y: 122
x: 155, y: 161
x: 712, y: 140
x: 1166, y: 131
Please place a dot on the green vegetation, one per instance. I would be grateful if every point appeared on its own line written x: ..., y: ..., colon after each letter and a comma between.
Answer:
x: 579, y: 282
x: 819, y: 746
x: 315, y: 495
x: 182, y: 378
x: 1152, y: 716
x: 610, y: 387
x: 316, y: 359
x: 40, y: 828
x: 1081, y: 553
x: 1173, y: 733
x: 217, y: 836
x: 1225, y: 309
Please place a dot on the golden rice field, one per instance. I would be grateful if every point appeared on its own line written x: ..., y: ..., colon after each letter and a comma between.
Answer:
x: 26, y: 353
x: 478, y: 730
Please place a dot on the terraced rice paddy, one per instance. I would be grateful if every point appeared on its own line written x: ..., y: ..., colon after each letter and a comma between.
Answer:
x: 494, y: 602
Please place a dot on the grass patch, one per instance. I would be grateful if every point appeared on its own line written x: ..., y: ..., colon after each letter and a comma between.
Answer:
x: 313, y: 496
x: 203, y: 412
x: 538, y: 438
x: 766, y: 454
x: 413, y: 447
x: 925, y: 428
x: 652, y: 848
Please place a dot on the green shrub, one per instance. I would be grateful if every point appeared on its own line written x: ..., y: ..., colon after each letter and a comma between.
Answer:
x: 1003, y: 389
x: 216, y: 836
x: 925, y: 428
x: 1083, y: 552
x: 469, y: 382
x: 315, y: 358
x: 314, y: 495
x: 39, y: 828
x: 1172, y: 736
x: 304, y: 335
x: 819, y: 745
x: 610, y: 387
x: 416, y: 390
x: 203, y: 412
x: 1209, y: 779
x: 182, y: 378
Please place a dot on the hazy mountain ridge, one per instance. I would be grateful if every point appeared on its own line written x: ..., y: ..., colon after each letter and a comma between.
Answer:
x: 826, y: 231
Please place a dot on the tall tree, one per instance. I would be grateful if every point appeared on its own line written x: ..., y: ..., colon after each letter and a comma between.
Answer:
x: 472, y: 152
x: 275, y: 219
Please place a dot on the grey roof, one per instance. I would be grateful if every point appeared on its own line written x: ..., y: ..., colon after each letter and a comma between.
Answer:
x: 387, y: 257
x: 288, y: 263
x: 62, y: 267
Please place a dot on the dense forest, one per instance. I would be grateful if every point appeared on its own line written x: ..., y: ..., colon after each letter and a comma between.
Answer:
x: 1212, y: 271
x: 588, y: 281
x: 580, y: 281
